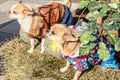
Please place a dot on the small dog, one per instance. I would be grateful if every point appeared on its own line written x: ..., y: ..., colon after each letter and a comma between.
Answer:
x: 36, y: 22
x: 67, y: 40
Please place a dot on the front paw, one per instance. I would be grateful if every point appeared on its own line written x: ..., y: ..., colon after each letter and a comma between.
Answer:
x: 74, y: 79
x: 42, y: 51
x: 30, y: 51
x: 63, y: 69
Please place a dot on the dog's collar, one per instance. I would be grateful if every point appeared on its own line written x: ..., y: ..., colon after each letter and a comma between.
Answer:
x: 77, y: 54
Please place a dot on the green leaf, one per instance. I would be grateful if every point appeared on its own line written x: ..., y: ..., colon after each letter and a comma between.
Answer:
x: 117, y: 45
x: 103, y: 54
x: 84, y: 50
x: 113, y: 5
x: 105, y: 9
x: 102, y: 14
x: 116, y: 15
x: 93, y: 15
x: 94, y: 5
x: 102, y: 45
x: 85, y: 38
x: 83, y: 4
x: 115, y: 40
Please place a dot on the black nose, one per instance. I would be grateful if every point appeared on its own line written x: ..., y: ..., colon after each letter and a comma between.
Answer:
x: 47, y: 31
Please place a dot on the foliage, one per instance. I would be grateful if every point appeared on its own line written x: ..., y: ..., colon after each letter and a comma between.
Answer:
x: 85, y: 38
x: 110, y: 12
x: 103, y: 52
x: 99, y: 9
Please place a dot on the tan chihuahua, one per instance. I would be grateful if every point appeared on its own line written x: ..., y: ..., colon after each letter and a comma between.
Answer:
x: 68, y: 41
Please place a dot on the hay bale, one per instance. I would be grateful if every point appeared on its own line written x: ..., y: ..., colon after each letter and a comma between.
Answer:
x: 20, y: 65
x: 1, y: 63
x: 23, y: 66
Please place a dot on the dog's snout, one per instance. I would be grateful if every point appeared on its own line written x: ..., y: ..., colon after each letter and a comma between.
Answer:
x: 9, y: 12
x: 47, y: 31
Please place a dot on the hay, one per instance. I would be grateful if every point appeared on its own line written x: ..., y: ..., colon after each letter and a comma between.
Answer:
x: 19, y: 65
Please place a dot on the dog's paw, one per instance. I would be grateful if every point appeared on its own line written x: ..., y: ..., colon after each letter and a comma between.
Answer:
x: 74, y: 79
x: 63, y: 70
x: 42, y: 51
x: 30, y: 51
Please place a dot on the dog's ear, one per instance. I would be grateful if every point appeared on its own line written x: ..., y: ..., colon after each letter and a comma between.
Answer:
x: 72, y: 35
x: 27, y: 12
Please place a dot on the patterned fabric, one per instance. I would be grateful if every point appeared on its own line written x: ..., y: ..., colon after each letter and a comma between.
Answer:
x: 82, y: 63
x: 111, y: 62
x: 79, y: 63
x: 93, y: 57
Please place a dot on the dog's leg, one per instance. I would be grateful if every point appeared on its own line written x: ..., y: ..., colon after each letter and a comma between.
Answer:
x: 66, y: 67
x: 77, y: 75
x: 42, y: 45
x: 32, y: 45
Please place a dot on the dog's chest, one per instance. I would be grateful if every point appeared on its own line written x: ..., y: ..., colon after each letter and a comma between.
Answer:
x: 26, y: 23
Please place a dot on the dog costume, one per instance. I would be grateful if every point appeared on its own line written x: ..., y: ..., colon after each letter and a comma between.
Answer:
x: 47, y: 16
x: 83, y: 62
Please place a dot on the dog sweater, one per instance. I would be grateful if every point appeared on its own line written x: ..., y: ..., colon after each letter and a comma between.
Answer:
x: 82, y: 63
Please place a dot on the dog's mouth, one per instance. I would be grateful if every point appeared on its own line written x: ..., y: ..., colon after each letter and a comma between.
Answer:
x: 46, y: 36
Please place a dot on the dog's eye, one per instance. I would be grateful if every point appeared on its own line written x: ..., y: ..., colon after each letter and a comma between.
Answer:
x: 14, y: 12
x: 53, y: 32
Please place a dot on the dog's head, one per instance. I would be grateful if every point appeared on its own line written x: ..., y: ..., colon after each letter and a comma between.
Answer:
x: 61, y: 33
x: 19, y: 11
x: 66, y: 38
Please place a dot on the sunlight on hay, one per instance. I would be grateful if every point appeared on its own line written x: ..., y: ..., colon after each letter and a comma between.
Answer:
x: 19, y: 65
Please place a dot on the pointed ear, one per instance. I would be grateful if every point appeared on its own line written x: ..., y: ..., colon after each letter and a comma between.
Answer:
x: 27, y: 12
x: 71, y: 36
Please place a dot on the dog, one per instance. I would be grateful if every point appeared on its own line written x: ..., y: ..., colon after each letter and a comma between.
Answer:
x: 35, y: 22
x: 67, y: 40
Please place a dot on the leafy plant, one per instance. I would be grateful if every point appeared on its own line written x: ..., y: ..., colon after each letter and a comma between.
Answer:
x: 109, y: 12
x: 99, y: 9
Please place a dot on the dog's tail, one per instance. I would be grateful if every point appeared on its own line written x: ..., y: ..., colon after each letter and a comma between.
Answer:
x: 68, y: 3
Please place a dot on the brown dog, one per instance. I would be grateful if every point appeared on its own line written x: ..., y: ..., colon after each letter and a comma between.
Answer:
x: 36, y: 22
x: 67, y: 40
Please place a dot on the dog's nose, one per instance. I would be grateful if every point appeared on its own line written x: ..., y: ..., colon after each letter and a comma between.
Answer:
x: 47, y: 31
x: 8, y: 12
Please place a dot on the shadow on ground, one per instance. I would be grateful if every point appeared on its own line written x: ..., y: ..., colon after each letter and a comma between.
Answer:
x: 8, y: 31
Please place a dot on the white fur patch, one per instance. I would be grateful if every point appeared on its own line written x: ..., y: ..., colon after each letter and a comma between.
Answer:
x: 26, y: 23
